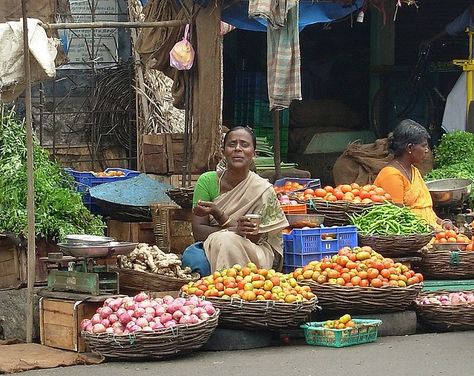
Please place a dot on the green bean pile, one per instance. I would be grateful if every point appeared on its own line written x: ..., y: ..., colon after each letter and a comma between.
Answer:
x: 389, y: 219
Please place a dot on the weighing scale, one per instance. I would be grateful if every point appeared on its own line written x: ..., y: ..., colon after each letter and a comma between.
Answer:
x: 78, y: 269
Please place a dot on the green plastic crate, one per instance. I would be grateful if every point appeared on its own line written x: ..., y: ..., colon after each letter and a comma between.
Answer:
x: 448, y: 285
x: 365, y: 332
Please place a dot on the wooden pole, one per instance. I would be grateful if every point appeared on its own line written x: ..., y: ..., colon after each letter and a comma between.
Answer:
x: 112, y: 24
x: 30, y: 204
x: 276, y: 144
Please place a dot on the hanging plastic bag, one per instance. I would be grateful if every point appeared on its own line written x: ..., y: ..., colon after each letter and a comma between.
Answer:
x: 182, y: 53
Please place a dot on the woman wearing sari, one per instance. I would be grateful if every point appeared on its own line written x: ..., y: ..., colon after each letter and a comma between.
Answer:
x: 402, y: 180
x: 222, y: 199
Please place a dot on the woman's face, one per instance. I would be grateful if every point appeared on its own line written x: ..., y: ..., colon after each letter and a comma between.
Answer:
x: 238, y: 149
x: 417, y: 152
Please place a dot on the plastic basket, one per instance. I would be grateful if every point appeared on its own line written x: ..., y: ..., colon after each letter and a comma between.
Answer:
x: 88, y: 179
x: 366, y: 331
x: 303, y: 246
x: 306, y: 183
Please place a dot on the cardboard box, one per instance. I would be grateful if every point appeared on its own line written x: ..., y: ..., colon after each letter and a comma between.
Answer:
x: 60, y: 321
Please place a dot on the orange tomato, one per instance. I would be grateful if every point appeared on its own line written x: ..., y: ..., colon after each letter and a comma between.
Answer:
x: 451, y: 234
x: 308, y: 191
x: 319, y: 192
x: 376, y: 282
x: 328, y: 188
x: 339, y: 195
x: 440, y: 235
x: 355, y: 186
x: 346, y: 188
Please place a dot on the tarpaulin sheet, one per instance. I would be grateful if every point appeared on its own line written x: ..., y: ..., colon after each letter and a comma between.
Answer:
x: 310, y: 13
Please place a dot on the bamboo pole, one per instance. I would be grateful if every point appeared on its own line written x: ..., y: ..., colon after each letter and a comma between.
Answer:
x: 30, y: 204
x: 276, y: 144
x: 112, y: 24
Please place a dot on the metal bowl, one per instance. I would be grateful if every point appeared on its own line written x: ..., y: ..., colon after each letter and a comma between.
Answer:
x: 305, y: 220
x: 87, y: 239
x: 97, y: 251
x: 449, y: 192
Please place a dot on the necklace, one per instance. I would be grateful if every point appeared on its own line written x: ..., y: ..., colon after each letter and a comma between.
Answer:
x: 404, y: 169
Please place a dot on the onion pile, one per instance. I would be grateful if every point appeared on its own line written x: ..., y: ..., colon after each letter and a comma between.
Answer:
x: 453, y: 298
x: 143, y: 314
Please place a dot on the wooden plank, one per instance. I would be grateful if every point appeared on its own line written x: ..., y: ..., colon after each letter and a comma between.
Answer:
x: 170, y: 154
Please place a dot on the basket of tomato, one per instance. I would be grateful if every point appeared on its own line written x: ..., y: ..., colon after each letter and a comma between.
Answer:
x: 451, y: 256
x: 337, y: 203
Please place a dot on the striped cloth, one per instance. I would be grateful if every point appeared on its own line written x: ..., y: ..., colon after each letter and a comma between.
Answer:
x: 283, y: 49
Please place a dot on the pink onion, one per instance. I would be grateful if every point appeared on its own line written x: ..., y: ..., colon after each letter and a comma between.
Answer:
x: 149, y: 317
x: 106, y: 312
x: 159, y: 310
x: 95, y: 319
x: 115, y: 304
x: 98, y: 328
x: 187, y: 310
x: 142, y: 322
x: 135, y: 328
x: 168, y: 299
x: 105, y: 322
x: 139, y: 312
x: 150, y: 311
x: 147, y: 329
x: 130, y: 325
x: 120, y: 311
x: 145, y: 304
x: 180, y: 301
x: 170, y: 324
x: 153, y: 325
x: 193, y: 319
x: 185, y: 319
x: 141, y: 297
x: 118, y: 330
x: 210, y: 310
x: 109, y: 330
x: 113, y: 318
x: 173, y: 307
x: 203, y: 303
x: 129, y: 304
x: 196, y: 311
x: 177, y: 315
x: 165, y: 317
x: 88, y: 328
x: 204, y: 316
x: 125, y: 318
x: 107, y: 301
x: 118, y: 325
x: 131, y: 312
x: 84, y: 323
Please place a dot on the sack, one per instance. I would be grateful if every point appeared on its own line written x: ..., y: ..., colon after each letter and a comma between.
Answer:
x: 182, y: 53
x: 361, y: 163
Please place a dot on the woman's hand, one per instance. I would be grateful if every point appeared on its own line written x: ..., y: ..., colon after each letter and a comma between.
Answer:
x: 446, y: 224
x: 245, y: 227
x: 204, y: 208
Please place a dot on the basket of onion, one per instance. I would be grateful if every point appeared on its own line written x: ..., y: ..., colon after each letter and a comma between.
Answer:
x: 446, y: 311
x: 140, y: 327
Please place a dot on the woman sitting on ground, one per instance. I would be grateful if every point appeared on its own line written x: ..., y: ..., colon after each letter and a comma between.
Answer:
x: 402, y: 180
x: 222, y: 199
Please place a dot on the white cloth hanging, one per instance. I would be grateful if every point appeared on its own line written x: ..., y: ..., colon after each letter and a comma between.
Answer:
x: 42, y: 55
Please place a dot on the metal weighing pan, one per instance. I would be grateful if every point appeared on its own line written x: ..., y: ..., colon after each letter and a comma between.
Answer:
x: 97, y: 251
x: 87, y: 239
x: 449, y: 192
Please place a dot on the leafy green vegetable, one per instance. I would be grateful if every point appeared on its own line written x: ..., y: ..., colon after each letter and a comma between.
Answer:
x: 455, y: 147
x: 58, y: 207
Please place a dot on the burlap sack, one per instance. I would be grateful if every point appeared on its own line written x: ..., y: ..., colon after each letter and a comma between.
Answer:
x: 361, y: 163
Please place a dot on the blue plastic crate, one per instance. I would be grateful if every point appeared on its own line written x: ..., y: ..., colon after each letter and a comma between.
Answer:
x: 87, y: 179
x: 302, y: 246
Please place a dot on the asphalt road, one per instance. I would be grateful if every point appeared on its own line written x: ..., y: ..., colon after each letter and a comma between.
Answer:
x: 416, y: 355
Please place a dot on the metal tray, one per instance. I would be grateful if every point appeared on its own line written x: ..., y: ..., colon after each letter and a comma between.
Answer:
x: 449, y: 192
x: 97, y: 251
x: 87, y: 239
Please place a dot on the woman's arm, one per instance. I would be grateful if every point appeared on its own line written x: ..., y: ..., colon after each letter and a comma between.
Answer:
x: 394, y: 185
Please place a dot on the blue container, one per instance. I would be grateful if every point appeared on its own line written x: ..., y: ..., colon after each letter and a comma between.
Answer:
x: 306, y: 183
x: 302, y: 246
x: 88, y: 179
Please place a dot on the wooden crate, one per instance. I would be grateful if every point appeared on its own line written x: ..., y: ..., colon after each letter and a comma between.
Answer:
x: 172, y: 227
x: 14, y: 262
x: 60, y: 322
x: 136, y: 232
x: 163, y: 153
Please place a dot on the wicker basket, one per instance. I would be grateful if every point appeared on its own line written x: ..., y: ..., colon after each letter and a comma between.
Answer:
x: 159, y: 344
x: 444, y: 317
x: 136, y: 280
x: 394, y: 246
x: 363, y: 299
x: 446, y: 264
x: 182, y: 196
x: 336, y: 213
x: 263, y: 314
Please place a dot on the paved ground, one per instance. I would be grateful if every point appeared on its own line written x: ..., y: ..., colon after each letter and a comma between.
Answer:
x: 416, y: 355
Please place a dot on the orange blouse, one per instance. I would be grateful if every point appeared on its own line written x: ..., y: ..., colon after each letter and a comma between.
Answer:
x: 414, y: 194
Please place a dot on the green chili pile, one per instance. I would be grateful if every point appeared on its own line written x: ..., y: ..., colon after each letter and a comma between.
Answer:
x: 389, y: 219
x: 58, y: 207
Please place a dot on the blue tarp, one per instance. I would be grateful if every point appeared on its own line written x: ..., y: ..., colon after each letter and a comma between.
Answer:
x: 310, y: 13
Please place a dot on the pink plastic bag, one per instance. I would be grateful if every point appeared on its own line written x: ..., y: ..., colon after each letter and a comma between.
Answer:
x: 182, y: 53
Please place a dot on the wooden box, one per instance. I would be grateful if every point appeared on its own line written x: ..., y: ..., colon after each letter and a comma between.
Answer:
x: 136, y: 232
x: 163, y: 153
x: 60, y: 322
x: 14, y: 262
x: 172, y: 227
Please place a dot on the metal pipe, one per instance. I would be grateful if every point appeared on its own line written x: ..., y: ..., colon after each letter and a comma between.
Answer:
x: 30, y: 203
x: 112, y: 24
